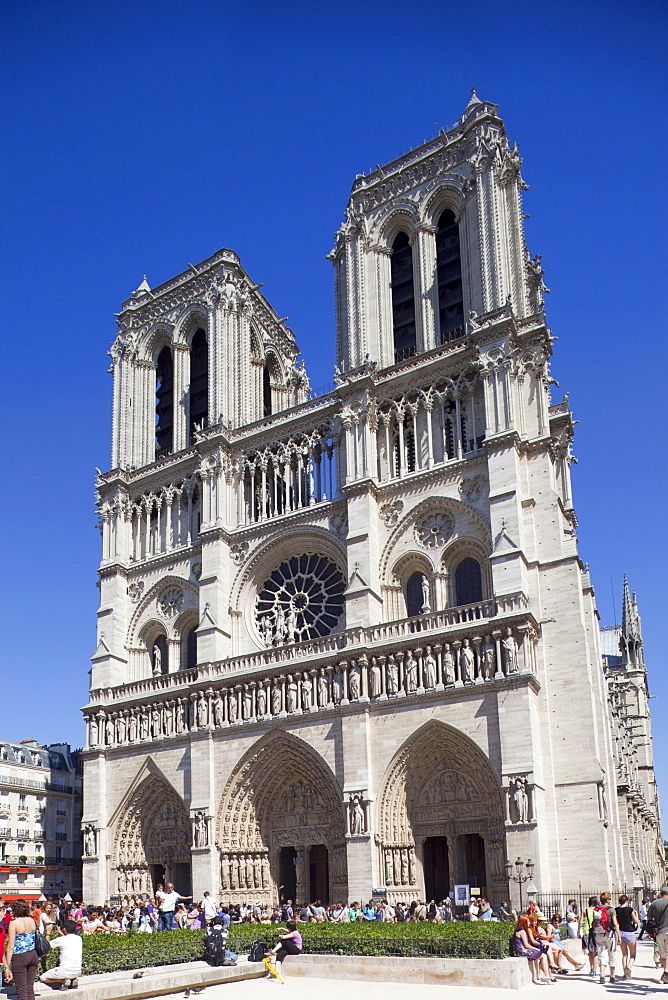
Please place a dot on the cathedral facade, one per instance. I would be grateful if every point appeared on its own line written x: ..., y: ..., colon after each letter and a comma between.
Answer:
x: 345, y: 642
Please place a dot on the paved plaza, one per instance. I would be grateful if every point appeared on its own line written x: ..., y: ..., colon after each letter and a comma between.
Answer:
x: 572, y: 987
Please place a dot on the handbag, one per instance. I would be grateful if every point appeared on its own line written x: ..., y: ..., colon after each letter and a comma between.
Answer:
x: 651, y: 928
x: 42, y: 946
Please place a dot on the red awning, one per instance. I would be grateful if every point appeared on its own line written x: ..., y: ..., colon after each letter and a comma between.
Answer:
x: 10, y: 897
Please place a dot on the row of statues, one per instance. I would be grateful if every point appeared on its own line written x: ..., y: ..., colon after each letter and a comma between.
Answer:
x: 399, y: 867
x: 467, y: 661
x: 245, y: 871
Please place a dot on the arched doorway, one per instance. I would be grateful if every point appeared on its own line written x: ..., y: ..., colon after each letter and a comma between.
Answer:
x: 152, y: 842
x: 441, y: 818
x: 281, y: 826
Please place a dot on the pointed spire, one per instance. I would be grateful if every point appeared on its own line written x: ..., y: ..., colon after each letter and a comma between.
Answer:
x: 627, y: 610
x: 143, y: 288
x: 474, y: 99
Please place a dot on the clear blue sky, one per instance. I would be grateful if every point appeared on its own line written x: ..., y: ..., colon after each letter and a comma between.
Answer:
x: 142, y: 136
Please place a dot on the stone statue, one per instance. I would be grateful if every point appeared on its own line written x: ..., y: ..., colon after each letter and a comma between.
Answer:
x: 266, y: 630
x: 181, y: 716
x: 143, y: 726
x: 429, y: 669
x: 411, y: 866
x: 280, y: 625
x: 218, y: 710
x: 521, y: 800
x: 354, y: 683
x: 323, y: 693
x: 291, y: 625
x: 261, y: 701
x: 169, y: 718
x: 93, y: 731
x: 276, y: 698
x: 132, y: 728
x: 202, y: 712
x: 488, y: 658
x: 374, y: 678
x: 90, y: 845
x: 410, y: 670
x: 307, y: 690
x: 248, y: 701
x: 448, y: 664
x: 389, y: 880
x: 291, y: 694
x: 356, y: 816
x: 157, y: 660
x: 467, y: 662
x: 156, y: 722
x: 232, y: 707
x: 110, y: 731
x: 337, y: 686
x: 510, y: 652
x: 426, y: 599
x: 404, y: 868
x: 201, y: 833
x: 392, y: 675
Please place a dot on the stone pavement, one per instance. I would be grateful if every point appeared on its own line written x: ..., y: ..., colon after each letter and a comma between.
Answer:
x: 571, y: 987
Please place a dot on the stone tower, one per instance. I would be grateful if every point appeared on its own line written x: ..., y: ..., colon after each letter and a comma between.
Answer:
x: 346, y: 642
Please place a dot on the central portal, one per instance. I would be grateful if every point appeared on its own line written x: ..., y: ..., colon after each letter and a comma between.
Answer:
x: 318, y: 857
x: 436, y: 868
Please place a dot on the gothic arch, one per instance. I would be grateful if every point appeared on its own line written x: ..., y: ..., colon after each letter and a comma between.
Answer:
x: 146, y: 612
x: 256, y: 570
x: 454, y: 553
x: 282, y: 794
x: 152, y: 343
x: 402, y: 215
x: 194, y: 318
x: 468, y: 522
x: 153, y: 829
x: 448, y: 194
x: 439, y: 784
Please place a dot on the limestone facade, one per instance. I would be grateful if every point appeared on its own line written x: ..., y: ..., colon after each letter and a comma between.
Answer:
x: 345, y: 642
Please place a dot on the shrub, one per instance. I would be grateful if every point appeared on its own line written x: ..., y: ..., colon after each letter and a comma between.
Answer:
x: 110, y: 952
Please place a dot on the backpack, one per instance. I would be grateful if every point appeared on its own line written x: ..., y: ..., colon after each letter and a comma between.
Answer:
x: 257, y: 950
x: 601, y: 919
x: 285, y: 913
x: 214, y: 947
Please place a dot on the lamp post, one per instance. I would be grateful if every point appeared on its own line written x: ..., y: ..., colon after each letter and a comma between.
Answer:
x: 520, y: 877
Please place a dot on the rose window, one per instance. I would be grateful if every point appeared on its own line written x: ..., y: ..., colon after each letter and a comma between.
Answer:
x: 302, y: 599
x: 171, y: 602
x: 434, y: 530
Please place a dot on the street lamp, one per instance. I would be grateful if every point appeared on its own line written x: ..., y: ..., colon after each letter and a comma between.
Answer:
x: 519, y: 877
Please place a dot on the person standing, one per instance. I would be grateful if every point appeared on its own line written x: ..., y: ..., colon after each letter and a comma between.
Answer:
x: 209, y: 907
x: 167, y: 907
x: 606, y: 936
x: 21, y: 959
x: 628, y: 921
x: 643, y: 917
x: 658, y: 912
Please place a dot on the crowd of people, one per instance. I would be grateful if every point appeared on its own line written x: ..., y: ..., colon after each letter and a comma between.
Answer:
x: 608, y: 933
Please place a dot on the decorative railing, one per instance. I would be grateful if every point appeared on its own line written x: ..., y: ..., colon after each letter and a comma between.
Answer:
x: 49, y: 786
x: 459, y: 648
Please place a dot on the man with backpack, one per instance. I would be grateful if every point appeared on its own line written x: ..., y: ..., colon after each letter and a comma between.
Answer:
x: 215, y: 944
x: 606, y: 935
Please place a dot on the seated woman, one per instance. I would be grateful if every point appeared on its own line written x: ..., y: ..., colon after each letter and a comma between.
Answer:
x: 526, y: 946
x: 557, y: 950
x: 289, y: 943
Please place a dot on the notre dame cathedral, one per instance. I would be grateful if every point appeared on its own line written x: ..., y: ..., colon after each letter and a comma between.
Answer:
x: 346, y: 642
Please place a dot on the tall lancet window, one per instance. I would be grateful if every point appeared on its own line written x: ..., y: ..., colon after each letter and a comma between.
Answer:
x: 449, y: 270
x: 199, y: 383
x: 164, y: 403
x: 403, y: 298
x: 266, y: 391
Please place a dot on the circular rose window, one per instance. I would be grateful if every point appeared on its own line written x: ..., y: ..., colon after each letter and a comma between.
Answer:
x: 302, y: 599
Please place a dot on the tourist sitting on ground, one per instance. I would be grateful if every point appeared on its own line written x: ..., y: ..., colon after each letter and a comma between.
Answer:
x: 195, y: 919
x: 289, y: 943
x: 557, y: 947
x: 215, y: 944
x: 70, y: 949
x: 526, y: 946
x: 628, y: 921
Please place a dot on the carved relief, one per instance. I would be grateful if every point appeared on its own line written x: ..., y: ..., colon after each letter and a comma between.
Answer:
x: 171, y: 602
x: 390, y: 512
x: 433, y: 531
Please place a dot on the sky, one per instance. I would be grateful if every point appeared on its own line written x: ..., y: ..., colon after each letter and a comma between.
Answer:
x: 140, y: 137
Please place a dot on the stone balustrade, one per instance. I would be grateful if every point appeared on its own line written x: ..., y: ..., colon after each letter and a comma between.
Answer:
x: 479, y: 652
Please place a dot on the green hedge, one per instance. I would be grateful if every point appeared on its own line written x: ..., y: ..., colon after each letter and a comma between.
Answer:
x: 109, y: 953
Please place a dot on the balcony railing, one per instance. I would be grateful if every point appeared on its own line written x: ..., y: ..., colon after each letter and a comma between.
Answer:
x: 49, y: 786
